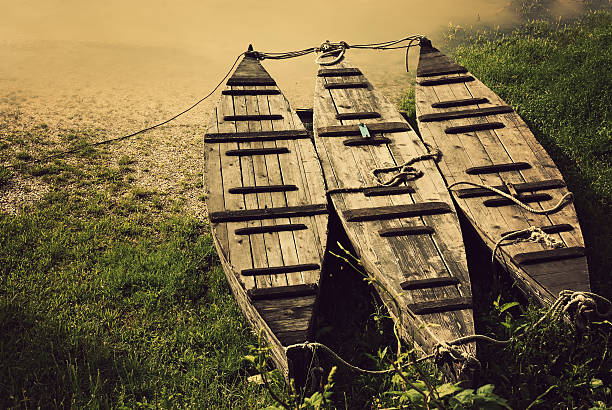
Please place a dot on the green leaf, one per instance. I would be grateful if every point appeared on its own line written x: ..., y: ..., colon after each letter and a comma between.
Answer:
x: 507, y: 306
x: 596, y: 383
x: 447, y: 389
x: 485, y: 390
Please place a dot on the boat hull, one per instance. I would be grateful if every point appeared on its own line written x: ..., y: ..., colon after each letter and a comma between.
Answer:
x: 483, y: 141
x: 268, y: 212
x: 407, y: 237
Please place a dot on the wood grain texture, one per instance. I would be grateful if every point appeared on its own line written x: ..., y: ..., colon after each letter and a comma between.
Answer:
x: 484, y: 151
x: 269, y: 229
x: 392, y: 260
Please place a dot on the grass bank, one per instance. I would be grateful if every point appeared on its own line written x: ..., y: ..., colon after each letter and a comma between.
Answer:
x: 111, y: 296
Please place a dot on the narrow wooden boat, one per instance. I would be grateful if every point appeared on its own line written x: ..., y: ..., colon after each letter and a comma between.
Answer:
x: 268, y: 210
x: 483, y: 141
x: 407, y: 236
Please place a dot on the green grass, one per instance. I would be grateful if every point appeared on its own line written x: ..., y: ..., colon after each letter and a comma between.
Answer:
x: 112, y: 297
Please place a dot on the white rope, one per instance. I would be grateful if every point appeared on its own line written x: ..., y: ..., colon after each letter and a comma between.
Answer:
x: 562, y: 202
x: 536, y: 235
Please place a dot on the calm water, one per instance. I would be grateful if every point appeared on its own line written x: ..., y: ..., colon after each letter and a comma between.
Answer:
x: 68, y: 45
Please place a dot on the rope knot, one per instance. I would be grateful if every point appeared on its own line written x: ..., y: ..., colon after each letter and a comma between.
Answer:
x: 445, y: 353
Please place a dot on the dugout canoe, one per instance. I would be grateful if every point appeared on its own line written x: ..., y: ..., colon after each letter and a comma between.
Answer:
x: 484, y: 141
x: 268, y: 210
x: 406, y: 236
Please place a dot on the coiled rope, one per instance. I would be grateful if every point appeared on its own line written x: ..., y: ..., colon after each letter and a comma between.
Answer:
x: 536, y: 235
x: 405, y: 173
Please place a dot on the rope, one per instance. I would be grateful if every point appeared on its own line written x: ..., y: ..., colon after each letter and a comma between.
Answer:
x: 108, y: 141
x: 583, y: 303
x: 536, y: 235
x: 329, y: 49
x: 567, y: 198
x: 405, y: 172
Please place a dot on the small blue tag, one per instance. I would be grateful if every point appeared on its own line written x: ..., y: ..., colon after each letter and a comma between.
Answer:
x: 365, y: 133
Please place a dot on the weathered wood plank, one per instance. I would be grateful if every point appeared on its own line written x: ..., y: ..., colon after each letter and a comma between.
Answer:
x: 255, y: 136
x: 396, y: 211
x: 454, y: 115
x: 268, y: 213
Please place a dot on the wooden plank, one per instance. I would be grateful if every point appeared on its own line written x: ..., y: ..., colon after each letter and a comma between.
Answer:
x: 528, y: 258
x: 253, y: 117
x: 446, y: 80
x: 477, y: 112
x: 255, y: 136
x: 307, y: 243
x: 523, y: 187
x: 252, y: 169
x: 376, y: 127
x: 397, y: 211
x: 526, y: 199
x: 338, y: 72
x: 283, y: 292
x: 441, y: 69
x: 496, y: 168
x: 261, y: 91
x: 459, y: 129
x: 406, y: 230
x: 389, y: 190
x: 547, y: 229
x: 268, y: 213
x: 429, y: 283
x: 261, y: 189
x: 275, y: 270
x: 360, y: 142
x: 286, y: 253
x: 459, y: 103
x: 355, y: 84
x: 437, y: 306
x: 357, y: 115
x: 245, y: 152
x: 270, y: 228
x: 238, y: 251
x: 250, y: 81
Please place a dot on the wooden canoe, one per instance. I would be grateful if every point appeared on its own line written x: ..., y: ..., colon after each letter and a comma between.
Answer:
x: 408, y: 236
x: 485, y: 142
x: 267, y: 207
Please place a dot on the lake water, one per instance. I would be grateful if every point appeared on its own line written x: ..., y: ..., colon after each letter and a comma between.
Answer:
x: 175, y: 46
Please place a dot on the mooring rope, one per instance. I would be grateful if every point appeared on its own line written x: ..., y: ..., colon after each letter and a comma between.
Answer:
x: 567, y: 198
x: 584, y: 304
x: 405, y: 173
x: 327, y: 48
x: 116, y: 139
x: 536, y: 235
